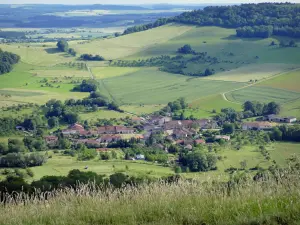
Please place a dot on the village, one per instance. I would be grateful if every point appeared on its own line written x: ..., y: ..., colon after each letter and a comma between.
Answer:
x: 184, y: 133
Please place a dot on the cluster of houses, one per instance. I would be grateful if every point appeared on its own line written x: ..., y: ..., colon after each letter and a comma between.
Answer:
x: 180, y: 132
x: 268, y: 122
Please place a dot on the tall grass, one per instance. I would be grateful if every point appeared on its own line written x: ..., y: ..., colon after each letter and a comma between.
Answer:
x: 185, y: 202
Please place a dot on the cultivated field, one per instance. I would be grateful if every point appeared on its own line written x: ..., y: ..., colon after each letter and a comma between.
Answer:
x: 108, y: 72
x: 289, y: 81
x: 127, y: 45
x: 253, y: 72
x: 214, y: 102
x: 263, y: 94
x: 150, y: 86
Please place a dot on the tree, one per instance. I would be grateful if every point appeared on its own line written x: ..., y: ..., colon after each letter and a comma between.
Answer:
x: 243, y: 164
x: 293, y: 44
x: 71, y: 117
x: 87, y: 86
x: 228, y: 128
x: 53, y: 122
x: 72, y: 52
x: 3, y: 148
x: 186, y: 49
x: 208, y: 72
x: 113, y: 106
x: 199, y: 161
x: 63, y: 46
x: 118, y: 179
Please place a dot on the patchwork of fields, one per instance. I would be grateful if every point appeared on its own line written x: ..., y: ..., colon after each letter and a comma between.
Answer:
x: 143, y: 90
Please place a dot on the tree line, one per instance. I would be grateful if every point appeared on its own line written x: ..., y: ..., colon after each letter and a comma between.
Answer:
x: 265, y: 18
x: 176, y: 64
x: 7, y: 60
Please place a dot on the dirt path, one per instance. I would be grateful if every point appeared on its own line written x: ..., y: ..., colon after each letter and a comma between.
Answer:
x: 100, y: 81
x: 260, y: 81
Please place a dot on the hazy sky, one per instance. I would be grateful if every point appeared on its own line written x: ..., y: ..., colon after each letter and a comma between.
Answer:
x: 137, y: 1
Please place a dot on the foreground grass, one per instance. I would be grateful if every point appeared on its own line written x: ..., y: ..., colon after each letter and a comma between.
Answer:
x: 160, y: 203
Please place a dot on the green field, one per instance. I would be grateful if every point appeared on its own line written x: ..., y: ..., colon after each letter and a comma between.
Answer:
x: 102, y: 114
x: 280, y: 152
x: 108, y: 72
x: 36, y: 54
x: 150, y: 86
x: 289, y: 81
x: 129, y: 44
x: 263, y: 94
x: 61, y: 165
x: 141, y: 109
x: 214, y: 102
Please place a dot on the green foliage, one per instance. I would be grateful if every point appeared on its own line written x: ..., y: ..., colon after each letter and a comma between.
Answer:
x: 63, y: 46
x: 228, y: 128
x: 22, y: 160
x: 252, y: 20
x: 186, y: 49
x: 7, y: 60
x: 53, y: 122
x: 89, y: 57
x: 118, y: 179
x: 259, y: 109
x: 87, y: 86
x: 72, y: 52
x: 87, y: 154
x: 199, y: 161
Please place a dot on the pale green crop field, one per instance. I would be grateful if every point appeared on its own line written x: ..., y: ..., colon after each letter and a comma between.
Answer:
x: 289, y: 81
x: 150, y: 86
x: 129, y: 44
x: 61, y: 73
x: 263, y: 94
x: 108, y: 72
x: 214, y: 102
x: 253, y: 72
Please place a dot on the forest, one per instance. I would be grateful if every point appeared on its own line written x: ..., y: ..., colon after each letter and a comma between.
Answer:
x: 266, y: 19
x: 7, y: 60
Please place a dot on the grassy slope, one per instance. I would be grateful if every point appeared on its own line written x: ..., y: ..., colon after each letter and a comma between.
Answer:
x: 36, y: 54
x: 130, y: 44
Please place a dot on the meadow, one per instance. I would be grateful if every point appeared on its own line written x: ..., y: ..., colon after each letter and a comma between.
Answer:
x: 102, y: 114
x: 129, y: 44
x: 60, y: 165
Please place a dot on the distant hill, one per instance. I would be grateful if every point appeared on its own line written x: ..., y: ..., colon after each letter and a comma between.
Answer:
x: 251, y: 20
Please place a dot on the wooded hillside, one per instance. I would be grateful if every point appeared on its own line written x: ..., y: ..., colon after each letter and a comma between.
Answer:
x: 267, y: 18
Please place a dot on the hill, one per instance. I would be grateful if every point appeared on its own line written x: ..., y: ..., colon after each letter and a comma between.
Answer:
x: 239, y: 61
x: 251, y: 20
